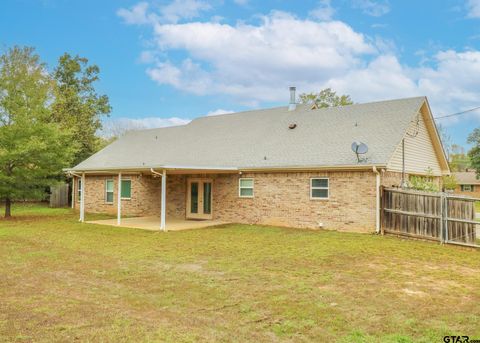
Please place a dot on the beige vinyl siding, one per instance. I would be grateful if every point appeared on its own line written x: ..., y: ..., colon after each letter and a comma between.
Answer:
x: 419, y: 151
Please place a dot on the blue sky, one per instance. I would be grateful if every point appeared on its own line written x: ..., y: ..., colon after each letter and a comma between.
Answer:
x: 165, y: 62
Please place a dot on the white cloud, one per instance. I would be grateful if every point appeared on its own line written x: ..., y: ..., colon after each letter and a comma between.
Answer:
x: 453, y: 82
x: 324, y: 11
x: 183, y: 9
x: 473, y: 8
x: 374, y: 8
x: 147, y: 57
x: 136, y: 15
x: 255, y: 63
x: 115, y: 127
x: 219, y: 112
x: 383, y: 78
x: 171, y: 13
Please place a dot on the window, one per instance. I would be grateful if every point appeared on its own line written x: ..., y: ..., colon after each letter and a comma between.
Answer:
x: 79, y: 189
x: 126, y: 189
x: 319, y: 188
x: 245, y: 189
x: 467, y: 188
x: 109, y: 191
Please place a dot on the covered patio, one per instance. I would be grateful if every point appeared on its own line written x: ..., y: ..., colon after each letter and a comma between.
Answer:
x: 185, y: 202
x: 152, y: 223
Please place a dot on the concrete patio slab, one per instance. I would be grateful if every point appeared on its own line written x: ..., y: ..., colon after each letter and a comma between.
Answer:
x: 153, y: 223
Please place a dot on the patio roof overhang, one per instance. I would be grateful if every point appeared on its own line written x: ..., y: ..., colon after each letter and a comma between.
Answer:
x: 169, y: 169
x: 217, y: 170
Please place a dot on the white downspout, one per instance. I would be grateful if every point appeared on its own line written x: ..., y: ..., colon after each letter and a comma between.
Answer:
x: 163, y: 201
x: 377, y: 199
x: 119, y: 199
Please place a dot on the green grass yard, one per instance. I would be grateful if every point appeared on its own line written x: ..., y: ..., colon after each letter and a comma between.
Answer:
x: 63, y: 281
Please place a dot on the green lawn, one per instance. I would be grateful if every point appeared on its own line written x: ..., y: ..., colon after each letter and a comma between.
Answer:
x: 65, y: 281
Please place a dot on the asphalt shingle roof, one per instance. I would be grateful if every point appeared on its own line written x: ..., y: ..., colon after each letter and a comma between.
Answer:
x: 467, y: 178
x: 262, y: 139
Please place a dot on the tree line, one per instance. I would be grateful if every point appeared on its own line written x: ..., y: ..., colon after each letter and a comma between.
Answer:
x: 48, y: 120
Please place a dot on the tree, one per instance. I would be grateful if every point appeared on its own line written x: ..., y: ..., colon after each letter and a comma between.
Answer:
x: 459, y: 160
x: 77, y: 106
x: 33, y: 150
x: 446, y: 139
x: 474, y: 153
x: 424, y: 183
x: 325, y: 98
x: 449, y: 182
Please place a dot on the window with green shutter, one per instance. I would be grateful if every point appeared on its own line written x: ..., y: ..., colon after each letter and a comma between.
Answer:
x: 467, y: 188
x: 109, y: 191
x: 126, y: 189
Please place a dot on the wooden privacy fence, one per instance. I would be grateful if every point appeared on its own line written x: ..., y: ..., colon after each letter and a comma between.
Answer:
x: 59, y: 195
x: 436, y: 216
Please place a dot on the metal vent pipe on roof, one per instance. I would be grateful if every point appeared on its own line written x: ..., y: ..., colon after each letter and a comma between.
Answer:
x: 292, y: 105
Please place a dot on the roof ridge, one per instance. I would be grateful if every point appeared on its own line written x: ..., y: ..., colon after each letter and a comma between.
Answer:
x: 247, y: 111
x: 380, y: 101
x: 306, y: 108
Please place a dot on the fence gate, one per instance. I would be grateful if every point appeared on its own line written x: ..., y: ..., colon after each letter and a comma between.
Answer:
x: 440, y: 217
x: 59, y: 195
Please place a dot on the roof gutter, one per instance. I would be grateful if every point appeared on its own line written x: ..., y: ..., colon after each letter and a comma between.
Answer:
x: 71, y: 173
x: 232, y: 169
x: 145, y: 168
x: 314, y: 168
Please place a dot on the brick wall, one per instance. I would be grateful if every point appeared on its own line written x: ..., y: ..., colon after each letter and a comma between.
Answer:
x: 280, y: 199
x: 474, y: 194
x: 391, y: 179
x: 145, y: 191
x: 284, y: 199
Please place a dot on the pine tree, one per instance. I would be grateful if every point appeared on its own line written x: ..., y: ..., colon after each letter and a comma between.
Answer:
x: 33, y: 149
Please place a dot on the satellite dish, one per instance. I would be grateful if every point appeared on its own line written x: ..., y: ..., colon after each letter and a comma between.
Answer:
x: 359, y: 148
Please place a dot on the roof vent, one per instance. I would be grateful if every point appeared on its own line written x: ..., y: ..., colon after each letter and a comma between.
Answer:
x: 292, y: 126
x: 292, y: 105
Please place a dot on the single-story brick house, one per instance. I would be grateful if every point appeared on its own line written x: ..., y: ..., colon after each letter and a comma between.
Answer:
x: 291, y: 166
x: 467, y: 183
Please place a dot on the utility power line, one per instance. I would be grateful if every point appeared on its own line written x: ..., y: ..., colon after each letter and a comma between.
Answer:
x: 458, y: 113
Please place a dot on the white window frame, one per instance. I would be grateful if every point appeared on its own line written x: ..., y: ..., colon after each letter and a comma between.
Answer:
x: 106, y: 192
x: 240, y: 187
x: 79, y: 189
x: 127, y: 179
x: 312, y: 188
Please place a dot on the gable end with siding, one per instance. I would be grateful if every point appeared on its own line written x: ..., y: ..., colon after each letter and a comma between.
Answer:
x: 423, y: 149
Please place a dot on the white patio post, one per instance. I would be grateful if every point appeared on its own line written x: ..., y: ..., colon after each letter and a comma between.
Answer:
x: 82, y: 199
x: 73, y: 191
x: 163, y: 201
x: 119, y: 199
